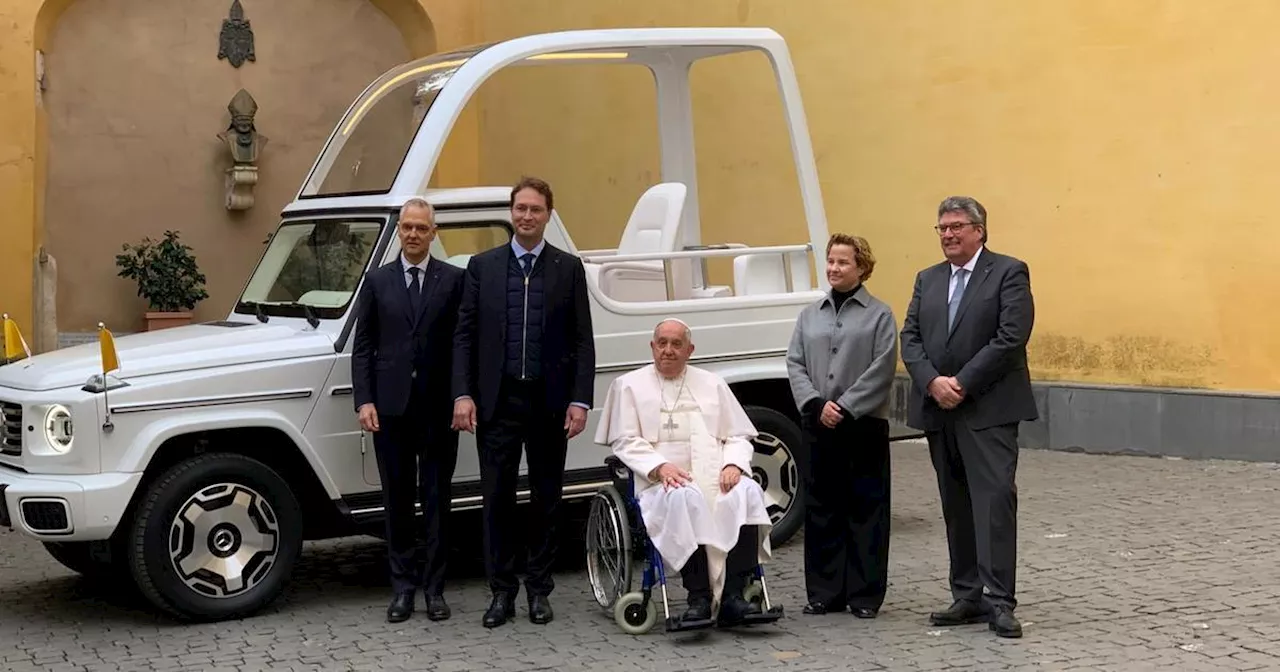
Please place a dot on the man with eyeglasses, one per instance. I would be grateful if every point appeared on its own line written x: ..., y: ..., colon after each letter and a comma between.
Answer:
x: 964, y: 344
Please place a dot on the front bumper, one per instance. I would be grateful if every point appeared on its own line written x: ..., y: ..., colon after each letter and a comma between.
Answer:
x: 65, y: 508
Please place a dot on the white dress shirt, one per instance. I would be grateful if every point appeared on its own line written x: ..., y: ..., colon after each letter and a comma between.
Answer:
x: 408, y: 276
x: 955, y: 273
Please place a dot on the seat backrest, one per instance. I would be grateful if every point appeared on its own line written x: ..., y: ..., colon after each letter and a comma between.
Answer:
x: 764, y: 274
x: 654, y: 225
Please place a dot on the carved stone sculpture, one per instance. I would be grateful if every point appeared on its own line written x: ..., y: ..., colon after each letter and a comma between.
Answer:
x: 235, y: 42
x: 244, y: 144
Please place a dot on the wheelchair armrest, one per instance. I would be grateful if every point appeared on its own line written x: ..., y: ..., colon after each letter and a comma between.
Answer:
x: 619, y: 473
x: 617, y: 468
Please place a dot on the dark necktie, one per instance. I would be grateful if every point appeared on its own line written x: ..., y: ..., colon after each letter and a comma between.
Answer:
x: 415, y: 289
x: 526, y: 263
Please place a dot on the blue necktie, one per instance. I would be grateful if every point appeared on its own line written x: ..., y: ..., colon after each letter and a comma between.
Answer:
x: 954, y: 303
x: 526, y: 262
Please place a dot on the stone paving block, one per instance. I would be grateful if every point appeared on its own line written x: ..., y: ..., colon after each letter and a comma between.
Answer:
x: 1124, y: 563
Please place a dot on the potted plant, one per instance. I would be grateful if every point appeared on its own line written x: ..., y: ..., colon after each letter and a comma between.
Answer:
x: 167, y: 277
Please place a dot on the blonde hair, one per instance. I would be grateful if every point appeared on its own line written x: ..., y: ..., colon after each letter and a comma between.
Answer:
x: 862, y: 256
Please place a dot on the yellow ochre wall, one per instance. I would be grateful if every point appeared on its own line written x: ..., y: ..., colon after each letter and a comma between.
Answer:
x: 29, y: 25
x: 1121, y: 149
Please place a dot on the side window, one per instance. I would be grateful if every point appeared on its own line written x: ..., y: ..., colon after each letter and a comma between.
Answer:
x: 455, y: 243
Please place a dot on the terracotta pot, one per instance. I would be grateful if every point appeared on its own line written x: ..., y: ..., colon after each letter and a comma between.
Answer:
x: 166, y: 320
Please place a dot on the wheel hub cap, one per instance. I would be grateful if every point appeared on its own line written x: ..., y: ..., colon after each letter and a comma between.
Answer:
x: 223, y: 540
x: 775, y: 469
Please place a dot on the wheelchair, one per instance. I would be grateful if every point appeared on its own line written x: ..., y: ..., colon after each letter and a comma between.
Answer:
x: 616, y: 541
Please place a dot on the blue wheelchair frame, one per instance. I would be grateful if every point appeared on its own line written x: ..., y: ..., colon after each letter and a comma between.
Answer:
x: 635, y: 612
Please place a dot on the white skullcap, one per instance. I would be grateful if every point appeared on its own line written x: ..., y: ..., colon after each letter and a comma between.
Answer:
x: 687, y: 329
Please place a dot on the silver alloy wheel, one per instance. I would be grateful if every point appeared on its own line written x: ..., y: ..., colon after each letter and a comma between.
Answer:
x: 224, y: 540
x: 774, y: 467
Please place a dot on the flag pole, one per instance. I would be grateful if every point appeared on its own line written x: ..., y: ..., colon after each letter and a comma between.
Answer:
x: 106, y: 425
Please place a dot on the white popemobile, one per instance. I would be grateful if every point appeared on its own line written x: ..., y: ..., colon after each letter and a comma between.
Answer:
x: 216, y: 449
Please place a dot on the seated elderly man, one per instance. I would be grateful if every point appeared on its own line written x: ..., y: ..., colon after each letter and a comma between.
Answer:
x: 688, y: 440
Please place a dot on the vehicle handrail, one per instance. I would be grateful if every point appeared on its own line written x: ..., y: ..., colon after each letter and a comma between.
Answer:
x: 696, y: 254
x: 702, y: 253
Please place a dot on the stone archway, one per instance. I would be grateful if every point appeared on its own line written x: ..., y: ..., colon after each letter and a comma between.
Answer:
x: 135, y: 98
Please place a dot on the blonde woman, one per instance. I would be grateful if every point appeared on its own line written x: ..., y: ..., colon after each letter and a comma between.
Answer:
x: 841, y: 365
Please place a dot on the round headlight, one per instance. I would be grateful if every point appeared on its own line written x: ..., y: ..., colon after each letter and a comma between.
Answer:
x: 57, y: 428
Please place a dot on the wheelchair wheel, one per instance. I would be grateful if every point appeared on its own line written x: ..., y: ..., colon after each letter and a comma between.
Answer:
x: 608, y: 547
x: 754, y: 592
x: 632, y: 616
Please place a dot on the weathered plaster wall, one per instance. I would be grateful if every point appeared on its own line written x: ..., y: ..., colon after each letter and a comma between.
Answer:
x: 313, y: 54
x: 135, y: 101
x: 1122, y: 149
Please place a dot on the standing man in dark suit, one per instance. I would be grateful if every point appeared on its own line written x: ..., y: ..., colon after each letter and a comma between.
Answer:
x: 964, y: 343
x: 401, y: 368
x: 524, y: 373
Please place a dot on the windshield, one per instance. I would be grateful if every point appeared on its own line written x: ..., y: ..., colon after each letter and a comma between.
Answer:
x: 371, y: 142
x: 311, y: 266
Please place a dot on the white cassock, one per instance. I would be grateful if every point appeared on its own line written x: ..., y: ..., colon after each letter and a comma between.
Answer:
x: 695, y: 423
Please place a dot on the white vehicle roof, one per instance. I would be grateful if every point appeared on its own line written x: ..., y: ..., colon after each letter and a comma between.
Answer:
x: 444, y: 83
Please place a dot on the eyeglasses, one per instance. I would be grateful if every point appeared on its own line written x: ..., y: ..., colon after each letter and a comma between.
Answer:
x: 953, y: 227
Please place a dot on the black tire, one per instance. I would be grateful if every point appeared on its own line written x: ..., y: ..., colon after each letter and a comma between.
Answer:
x: 609, y: 542
x: 158, y: 542
x: 780, y: 452
x: 94, y: 559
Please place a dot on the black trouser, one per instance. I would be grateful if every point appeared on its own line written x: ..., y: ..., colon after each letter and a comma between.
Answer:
x: 976, y: 480
x: 739, y: 564
x: 415, y: 458
x: 522, y: 417
x: 846, y: 515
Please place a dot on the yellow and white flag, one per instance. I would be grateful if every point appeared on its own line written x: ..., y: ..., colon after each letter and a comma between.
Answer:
x: 14, y: 343
x: 110, y: 362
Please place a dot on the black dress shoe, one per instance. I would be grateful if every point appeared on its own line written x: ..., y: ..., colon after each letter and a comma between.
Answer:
x: 863, y: 612
x: 734, y: 609
x: 540, y: 610
x: 1004, y: 623
x: 502, y: 610
x: 401, y: 607
x: 816, y: 608
x: 961, y: 612
x: 699, y: 610
x: 437, y: 608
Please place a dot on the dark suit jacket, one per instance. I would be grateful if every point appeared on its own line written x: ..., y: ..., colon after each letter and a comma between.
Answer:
x: 391, y: 342
x: 986, y: 349
x: 568, y: 345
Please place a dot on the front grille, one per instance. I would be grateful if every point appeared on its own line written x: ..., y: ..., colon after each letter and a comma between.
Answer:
x: 10, y: 428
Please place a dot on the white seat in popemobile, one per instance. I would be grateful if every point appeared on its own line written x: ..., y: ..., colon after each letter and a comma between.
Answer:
x: 654, y: 227
x: 765, y: 274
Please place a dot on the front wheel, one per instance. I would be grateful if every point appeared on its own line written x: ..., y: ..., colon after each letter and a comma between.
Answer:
x: 780, y: 449
x: 215, y: 537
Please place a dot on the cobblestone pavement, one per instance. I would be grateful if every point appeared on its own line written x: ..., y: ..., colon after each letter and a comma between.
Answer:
x: 1126, y: 563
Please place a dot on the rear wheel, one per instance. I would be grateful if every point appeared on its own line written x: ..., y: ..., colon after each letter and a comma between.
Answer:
x: 215, y: 537
x: 780, y: 450
x: 608, y: 547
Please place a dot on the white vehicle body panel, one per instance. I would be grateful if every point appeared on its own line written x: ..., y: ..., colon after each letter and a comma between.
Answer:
x: 292, y: 377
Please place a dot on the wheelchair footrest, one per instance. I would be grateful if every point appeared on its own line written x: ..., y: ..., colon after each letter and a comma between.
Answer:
x: 675, y: 624
x: 769, y: 616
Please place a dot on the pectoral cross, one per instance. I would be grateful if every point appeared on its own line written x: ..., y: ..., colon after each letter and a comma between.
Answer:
x: 671, y: 425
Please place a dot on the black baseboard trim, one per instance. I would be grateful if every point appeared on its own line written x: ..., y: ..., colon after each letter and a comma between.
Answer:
x: 1155, y: 422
